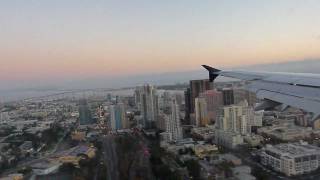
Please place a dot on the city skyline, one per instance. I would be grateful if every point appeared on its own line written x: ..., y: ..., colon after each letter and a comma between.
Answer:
x: 50, y: 40
x: 158, y: 90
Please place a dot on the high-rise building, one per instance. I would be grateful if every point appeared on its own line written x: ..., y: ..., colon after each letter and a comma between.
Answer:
x: 214, y: 103
x: 228, y: 96
x: 166, y: 98
x: 85, y: 117
x: 173, y: 122
x: 187, y: 99
x: 197, y: 87
x: 147, y: 102
x: 201, y: 110
x: 109, y: 97
x: 236, y: 118
x: 118, y: 117
x: 161, y: 122
x: 241, y: 94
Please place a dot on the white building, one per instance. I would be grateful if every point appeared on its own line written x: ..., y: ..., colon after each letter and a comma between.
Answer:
x: 147, y: 101
x: 236, y: 118
x: 288, y: 132
x: 173, y: 122
x: 228, y: 139
x: 257, y: 119
x: 292, y: 158
x: 4, y: 116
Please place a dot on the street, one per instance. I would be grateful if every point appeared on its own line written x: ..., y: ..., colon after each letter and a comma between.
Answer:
x: 110, y: 158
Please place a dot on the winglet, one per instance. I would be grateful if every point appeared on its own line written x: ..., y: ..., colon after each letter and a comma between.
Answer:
x: 213, y: 73
x: 211, y: 69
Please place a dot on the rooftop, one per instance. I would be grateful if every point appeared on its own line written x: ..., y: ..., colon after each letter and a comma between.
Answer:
x: 294, y: 149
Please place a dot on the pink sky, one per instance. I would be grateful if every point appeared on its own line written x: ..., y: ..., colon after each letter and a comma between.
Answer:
x: 51, y: 40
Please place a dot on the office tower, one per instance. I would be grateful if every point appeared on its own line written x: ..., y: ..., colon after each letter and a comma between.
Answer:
x: 173, y: 122
x: 187, y: 99
x: 118, y: 99
x: 166, y: 96
x: 147, y: 101
x: 214, y: 103
x: 118, y: 117
x: 236, y: 118
x: 228, y: 97
x: 180, y: 99
x: 161, y: 122
x: 241, y: 94
x: 201, y: 109
x: 137, y: 96
x: 197, y: 87
x: 109, y: 97
x: 85, y: 117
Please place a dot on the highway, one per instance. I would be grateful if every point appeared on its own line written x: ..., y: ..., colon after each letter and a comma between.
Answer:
x: 110, y: 158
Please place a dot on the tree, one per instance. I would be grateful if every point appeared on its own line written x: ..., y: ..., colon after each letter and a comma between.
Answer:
x: 193, y: 168
x: 67, y: 167
x: 25, y: 170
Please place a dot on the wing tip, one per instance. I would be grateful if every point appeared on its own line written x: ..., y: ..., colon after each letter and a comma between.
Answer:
x: 213, y: 73
x: 210, y: 69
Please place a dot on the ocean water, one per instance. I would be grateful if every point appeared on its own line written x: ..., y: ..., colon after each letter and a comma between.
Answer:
x: 16, y: 95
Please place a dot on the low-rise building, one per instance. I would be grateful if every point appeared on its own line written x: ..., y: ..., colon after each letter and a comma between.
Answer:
x: 242, y: 173
x: 26, y: 148
x: 13, y: 177
x: 253, y: 140
x: 228, y: 139
x: 201, y: 150
x: 78, y: 135
x: 204, y: 133
x: 45, y: 167
x: 288, y: 132
x: 73, y: 155
x: 291, y: 158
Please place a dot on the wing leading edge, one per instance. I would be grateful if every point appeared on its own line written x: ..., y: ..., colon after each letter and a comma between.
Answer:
x: 297, y: 90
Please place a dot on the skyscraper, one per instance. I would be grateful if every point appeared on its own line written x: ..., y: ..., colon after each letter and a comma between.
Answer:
x: 241, y: 94
x: 201, y: 110
x: 236, y: 118
x: 214, y: 103
x: 187, y: 99
x: 118, y: 117
x: 197, y: 87
x: 228, y: 96
x: 147, y: 102
x: 173, y: 122
x: 85, y: 117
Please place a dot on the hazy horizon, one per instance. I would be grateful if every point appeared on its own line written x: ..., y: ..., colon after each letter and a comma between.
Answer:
x: 304, y: 66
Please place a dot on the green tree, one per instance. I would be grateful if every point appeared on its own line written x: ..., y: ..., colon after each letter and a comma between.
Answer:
x: 193, y: 168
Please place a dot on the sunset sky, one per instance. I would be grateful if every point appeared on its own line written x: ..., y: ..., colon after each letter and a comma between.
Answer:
x: 42, y: 39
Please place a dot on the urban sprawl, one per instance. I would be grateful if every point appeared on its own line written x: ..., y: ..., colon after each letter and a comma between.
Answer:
x: 199, y: 130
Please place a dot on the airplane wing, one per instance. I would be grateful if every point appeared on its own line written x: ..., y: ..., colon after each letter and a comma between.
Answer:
x: 297, y: 90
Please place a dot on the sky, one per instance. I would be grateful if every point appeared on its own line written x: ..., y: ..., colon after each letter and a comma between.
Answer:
x: 51, y: 40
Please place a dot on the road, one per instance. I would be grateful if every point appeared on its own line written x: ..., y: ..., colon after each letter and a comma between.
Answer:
x: 110, y: 158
